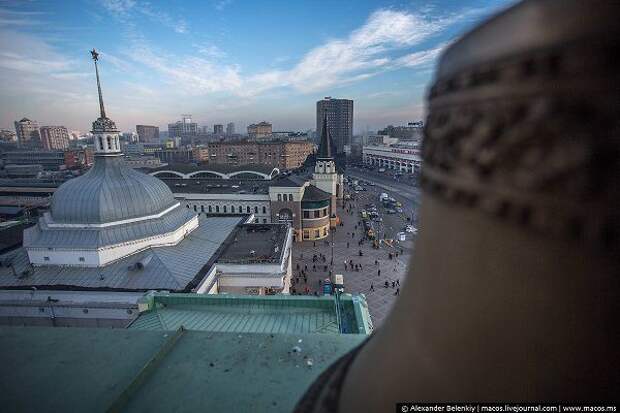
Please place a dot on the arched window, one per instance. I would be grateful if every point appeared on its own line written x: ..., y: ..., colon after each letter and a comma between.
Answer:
x: 194, y: 208
x: 101, y: 144
x: 256, y: 210
x: 217, y: 208
x: 232, y: 209
x: 248, y: 209
x: 290, y: 197
x: 279, y: 197
x: 202, y: 208
x: 225, y: 209
x: 109, y: 142
x: 210, y: 209
x: 264, y: 210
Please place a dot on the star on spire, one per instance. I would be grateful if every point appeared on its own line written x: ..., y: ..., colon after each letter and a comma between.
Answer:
x: 94, y: 54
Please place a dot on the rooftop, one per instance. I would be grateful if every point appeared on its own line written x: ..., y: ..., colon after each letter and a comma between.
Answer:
x: 217, y: 186
x: 276, y: 314
x: 161, y: 371
x: 312, y: 193
x: 179, y: 267
x: 256, y: 243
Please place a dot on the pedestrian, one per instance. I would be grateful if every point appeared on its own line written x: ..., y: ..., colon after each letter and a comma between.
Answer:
x: 386, y: 284
x: 397, y: 291
x: 314, y: 243
x: 379, y: 272
x: 325, y: 268
x: 345, y: 265
x: 398, y: 283
x: 393, y: 284
x: 376, y: 262
x: 372, y: 287
x: 347, y: 244
x: 314, y: 267
x: 361, y: 269
x: 306, y: 267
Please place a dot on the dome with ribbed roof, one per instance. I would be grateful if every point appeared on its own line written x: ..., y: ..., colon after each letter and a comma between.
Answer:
x: 110, y: 192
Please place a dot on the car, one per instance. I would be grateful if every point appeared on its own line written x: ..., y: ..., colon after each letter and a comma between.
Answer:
x: 399, y: 210
x: 372, y: 184
x: 410, y: 228
x: 390, y: 211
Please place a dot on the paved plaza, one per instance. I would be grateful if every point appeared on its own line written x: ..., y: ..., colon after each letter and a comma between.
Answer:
x: 346, y: 238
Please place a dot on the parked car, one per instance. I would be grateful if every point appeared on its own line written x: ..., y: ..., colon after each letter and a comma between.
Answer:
x: 390, y: 211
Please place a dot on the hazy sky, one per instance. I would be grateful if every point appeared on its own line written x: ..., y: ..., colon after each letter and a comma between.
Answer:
x: 224, y: 61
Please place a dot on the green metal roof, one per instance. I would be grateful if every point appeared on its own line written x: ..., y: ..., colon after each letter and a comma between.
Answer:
x: 282, y: 314
x: 97, y: 370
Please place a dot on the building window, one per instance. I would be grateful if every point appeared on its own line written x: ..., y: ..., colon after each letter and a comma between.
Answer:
x: 46, y: 258
x: 306, y: 234
x: 290, y: 197
x: 109, y: 142
x: 306, y: 214
x: 225, y: 209
x: 82, y: 259
x: 256, y: 210
x: 202, y: 208
x: 195, y: 209
x: 217, y: 208
x: 279, y: 197
x: 187, y: 206
x: 317, y: 214
x: 324, y: 231
x: 264, y: 210
x: 317, y: 233
x: 210, y: 208
x: 325, y: 212
x: 264, y: 220
x: 247, y: 209
x: 232, y: 209
x: 256, y: 220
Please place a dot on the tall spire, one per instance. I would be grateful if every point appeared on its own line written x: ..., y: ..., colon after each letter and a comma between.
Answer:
x: 325, y: 148
x: 95, y: 58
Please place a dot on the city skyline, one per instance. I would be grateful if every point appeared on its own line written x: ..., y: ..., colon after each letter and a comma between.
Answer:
x: 159, y: 61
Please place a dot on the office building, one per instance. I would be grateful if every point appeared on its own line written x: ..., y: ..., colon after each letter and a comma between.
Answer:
x: 259, y: 130
x: 230, y: 129
x: 218, y: 129
x: 27, y: 132
x: 413, y: 131
x: 339, y: 115
x: 54, y: 137
x: 283, y: 155
x: 8, y: 136
x: 184, y: 129
x: 147, y: 133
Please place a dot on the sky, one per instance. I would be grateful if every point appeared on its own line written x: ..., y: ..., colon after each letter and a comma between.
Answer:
x: 224, y: 60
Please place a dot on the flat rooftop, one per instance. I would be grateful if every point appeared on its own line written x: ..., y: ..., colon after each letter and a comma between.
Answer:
x: 93, y: 370
x: 255, y: 243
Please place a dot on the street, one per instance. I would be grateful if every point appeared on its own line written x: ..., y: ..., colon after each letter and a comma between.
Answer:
x: 374, y: 266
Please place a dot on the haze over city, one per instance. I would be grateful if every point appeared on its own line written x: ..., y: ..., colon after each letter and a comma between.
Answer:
x: 224, y: 61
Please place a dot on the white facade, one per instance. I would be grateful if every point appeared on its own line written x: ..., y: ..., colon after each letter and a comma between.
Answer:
x: 108, y: 254
x: 256, y: 278
x: 400, y: 158
x: 258, y: 205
